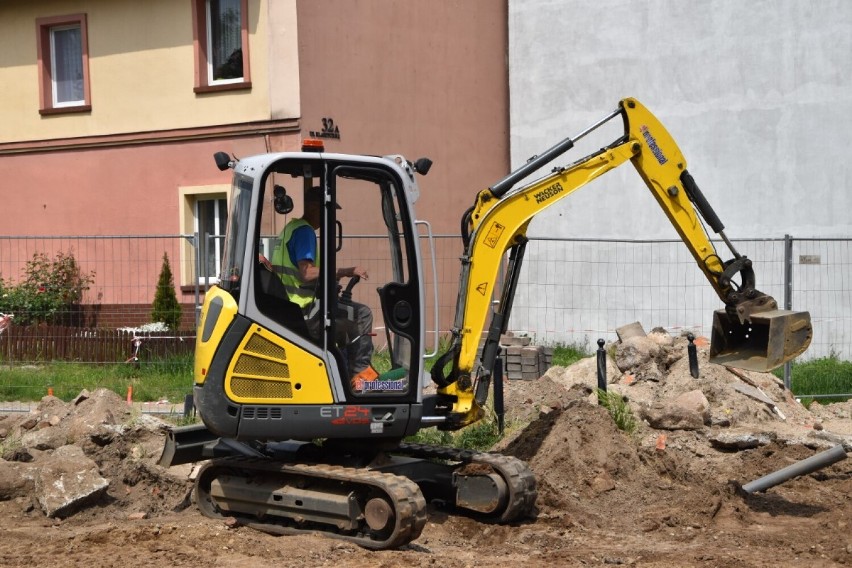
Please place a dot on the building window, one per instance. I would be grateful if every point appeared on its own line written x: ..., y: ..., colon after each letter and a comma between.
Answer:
x: 211, y: 217
x: 221, y: 45
x: 203, y: 211
x: 63, y: 64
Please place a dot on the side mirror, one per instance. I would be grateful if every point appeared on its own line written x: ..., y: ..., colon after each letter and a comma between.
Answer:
x: 223, y: 161
x: 282, y: 202
x: 422, y: 165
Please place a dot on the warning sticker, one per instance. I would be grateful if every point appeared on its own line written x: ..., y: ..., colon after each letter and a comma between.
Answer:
x: 493, y: 236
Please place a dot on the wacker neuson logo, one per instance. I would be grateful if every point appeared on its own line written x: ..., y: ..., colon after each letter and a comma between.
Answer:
x: 548, y: 192
x: 652, y: 144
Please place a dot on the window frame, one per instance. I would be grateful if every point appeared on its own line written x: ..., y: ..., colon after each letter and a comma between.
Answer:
x: 201, y: 47
x: 44, y: 33
x: 220, y: 222
x: 189, y: 196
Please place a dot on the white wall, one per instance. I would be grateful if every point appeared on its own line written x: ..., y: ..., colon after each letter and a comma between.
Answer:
x: 757, y: 94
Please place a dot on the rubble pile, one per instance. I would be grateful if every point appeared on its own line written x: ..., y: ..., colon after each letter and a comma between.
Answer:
x: 62, y: 458
x: 651, y: 371
x: 95, y: 455
x: 697, y: 438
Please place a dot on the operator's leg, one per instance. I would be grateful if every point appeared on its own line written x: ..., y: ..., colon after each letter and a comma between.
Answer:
x: 356, y: 320
x: 363, y: 347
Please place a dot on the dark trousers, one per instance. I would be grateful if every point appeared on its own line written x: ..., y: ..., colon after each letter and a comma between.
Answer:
x: 353, y: 325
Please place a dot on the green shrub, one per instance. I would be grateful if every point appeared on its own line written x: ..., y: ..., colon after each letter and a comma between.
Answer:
x: 618, y: 408
x: 51, y: 291
x: 166, y: 308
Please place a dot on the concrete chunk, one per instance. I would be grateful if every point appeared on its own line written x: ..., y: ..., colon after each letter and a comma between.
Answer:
x: 67, y: 481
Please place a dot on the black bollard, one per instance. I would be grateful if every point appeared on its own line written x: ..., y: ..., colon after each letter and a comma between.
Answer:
x: 188, y: 406
x: 693, y: 356
x: 601, y: 368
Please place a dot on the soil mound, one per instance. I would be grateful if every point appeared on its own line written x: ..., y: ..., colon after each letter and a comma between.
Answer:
x: 668, y: 493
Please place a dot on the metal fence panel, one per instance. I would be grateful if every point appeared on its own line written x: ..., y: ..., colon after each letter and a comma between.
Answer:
x: 822, y: 283
x: 572, y: 291
x: 124, y: 271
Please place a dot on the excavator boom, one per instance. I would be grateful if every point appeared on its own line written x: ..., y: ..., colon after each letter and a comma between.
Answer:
x: 750, y: 332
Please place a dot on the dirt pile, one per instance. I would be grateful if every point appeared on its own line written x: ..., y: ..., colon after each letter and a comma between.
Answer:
x: 664, y: 495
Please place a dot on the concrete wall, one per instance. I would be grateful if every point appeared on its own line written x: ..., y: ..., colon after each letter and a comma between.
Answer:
x: 757, y: 94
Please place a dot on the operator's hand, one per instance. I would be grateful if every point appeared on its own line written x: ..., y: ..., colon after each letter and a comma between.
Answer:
x: 352, y: 272
x: 265, y: 262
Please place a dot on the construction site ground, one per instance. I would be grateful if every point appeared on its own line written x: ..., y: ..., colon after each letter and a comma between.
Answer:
x: 663, y: 496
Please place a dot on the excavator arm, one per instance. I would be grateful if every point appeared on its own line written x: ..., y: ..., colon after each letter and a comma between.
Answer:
x: 750, y: 332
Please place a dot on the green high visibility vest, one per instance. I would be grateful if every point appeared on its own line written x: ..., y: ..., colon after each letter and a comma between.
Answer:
x: 299, y: 292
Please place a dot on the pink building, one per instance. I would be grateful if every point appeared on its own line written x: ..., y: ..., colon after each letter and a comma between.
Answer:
x: 112, y: 111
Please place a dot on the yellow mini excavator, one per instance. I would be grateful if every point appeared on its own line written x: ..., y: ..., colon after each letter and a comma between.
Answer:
x: 292, y: 446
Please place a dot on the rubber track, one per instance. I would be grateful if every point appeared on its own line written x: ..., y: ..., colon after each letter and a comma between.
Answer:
x: 408, y: 502
x: 517, y: 474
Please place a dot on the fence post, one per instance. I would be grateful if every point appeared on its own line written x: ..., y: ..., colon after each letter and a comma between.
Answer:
x: 197, y: 276
x: 788, y: 299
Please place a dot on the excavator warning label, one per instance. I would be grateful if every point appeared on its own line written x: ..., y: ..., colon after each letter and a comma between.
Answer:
x: 493, y: 236
x: 482, y: 288
x: 652, y: 145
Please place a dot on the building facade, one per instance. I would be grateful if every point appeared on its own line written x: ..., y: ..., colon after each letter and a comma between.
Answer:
x: 112, y: 110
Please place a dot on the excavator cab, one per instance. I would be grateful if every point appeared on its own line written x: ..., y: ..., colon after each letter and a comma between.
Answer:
x: 274, y: 366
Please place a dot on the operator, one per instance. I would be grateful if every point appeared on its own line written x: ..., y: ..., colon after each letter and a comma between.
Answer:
x: 296, y: 260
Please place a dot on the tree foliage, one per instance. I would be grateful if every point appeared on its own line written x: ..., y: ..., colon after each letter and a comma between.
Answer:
x: 166, y: 308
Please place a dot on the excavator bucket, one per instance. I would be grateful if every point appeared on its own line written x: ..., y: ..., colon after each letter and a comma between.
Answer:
x: 766, y: 342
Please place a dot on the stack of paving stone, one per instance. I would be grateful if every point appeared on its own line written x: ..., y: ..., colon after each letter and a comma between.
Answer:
x: 521, y: 360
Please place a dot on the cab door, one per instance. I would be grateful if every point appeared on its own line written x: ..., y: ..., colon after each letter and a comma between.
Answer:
x: 373, y: 228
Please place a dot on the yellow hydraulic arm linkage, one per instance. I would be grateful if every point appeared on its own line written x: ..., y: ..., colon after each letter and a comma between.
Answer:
x: 750, y: 333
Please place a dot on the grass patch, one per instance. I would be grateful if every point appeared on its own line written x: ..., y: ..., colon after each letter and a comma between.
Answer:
x: 823, y: 376
x: 479, y: 436
x: 151, y: 380
x: 567, y: 355
x: 618, y: 408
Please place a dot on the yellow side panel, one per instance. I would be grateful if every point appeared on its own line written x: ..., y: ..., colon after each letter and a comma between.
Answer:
x: 267, y: 369
x: 220, y: 305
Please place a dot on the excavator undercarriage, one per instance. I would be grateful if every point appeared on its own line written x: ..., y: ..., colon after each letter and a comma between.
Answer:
x: 374, y: 498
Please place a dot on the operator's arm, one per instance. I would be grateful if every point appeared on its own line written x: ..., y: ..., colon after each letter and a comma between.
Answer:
x: 353, y: 271
x: 309, y: 271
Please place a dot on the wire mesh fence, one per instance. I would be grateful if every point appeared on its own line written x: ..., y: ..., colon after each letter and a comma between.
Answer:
x: 572, y: 291
x: 576, y: 290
